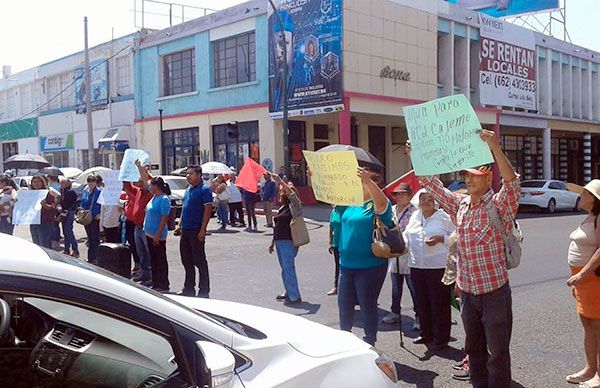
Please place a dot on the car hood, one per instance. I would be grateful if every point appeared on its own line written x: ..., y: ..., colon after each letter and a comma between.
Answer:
x: 307, y: 337
x: 177, y: 194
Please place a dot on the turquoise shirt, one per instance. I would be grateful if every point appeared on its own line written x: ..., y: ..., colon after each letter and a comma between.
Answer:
x: 335, y: 223
x: 357, y: 235
x: 158, y: 207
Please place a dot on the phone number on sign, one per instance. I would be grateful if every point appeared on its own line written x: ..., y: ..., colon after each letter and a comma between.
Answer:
x: 514, y: 83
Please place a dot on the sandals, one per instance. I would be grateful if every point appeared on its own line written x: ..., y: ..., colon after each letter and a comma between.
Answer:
x: 586, y: 384
x: 576, y: 378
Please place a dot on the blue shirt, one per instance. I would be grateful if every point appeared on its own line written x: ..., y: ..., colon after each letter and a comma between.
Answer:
x: 158, y: 207
x: 89, y: 201
x: 268, y: 191
x: 356, y: 236
x: 335, y: 223
x: 192, y: 211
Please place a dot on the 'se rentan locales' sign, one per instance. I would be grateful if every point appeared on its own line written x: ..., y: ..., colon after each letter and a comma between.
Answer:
x: 334, y: 177
x: 443, y: 136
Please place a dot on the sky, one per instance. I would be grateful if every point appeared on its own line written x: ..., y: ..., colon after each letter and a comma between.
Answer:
x: 33, y: 32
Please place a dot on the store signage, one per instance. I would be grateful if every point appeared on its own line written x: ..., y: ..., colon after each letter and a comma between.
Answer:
x: 98, y: 86
x: 508, y: 8
x: 56, y: 142
x: 396, y: 75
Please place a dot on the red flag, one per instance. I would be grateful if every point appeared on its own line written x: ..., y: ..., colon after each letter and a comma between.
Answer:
x: 250, y: 176
x: 409, y: 178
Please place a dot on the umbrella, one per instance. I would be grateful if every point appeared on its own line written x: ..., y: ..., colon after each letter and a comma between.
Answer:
x: 363, y: 157
x: 215, y: 168
x: 26, y: 161
x: 180, y: 171
x: 82, y: 178
x: 70, y: 172
x: 51, y: 171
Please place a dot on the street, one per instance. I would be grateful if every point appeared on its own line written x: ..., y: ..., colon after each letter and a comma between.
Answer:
x: 547, y: 335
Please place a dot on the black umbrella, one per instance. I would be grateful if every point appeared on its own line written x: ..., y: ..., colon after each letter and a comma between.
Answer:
x: 363, y: 157
x: 51, y: 171
x: 26, y: 161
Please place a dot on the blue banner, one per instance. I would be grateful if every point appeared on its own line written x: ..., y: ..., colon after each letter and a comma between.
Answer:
x: 98, y: 85
x: 311, y: 31
x: 507, y: 8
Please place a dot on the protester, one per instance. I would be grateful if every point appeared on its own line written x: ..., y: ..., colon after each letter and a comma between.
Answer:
x: 426, y: 237
x: 129, y: 226
x: 335, y: 222
x: 584, y: 261
x: 236, y: 211
x: 54, y: 189
x: 41, y: 234
x: 68, y: 204
x: 284, y: 245
x: 139, y: 196
x: 486, y: 303
x: 195, y: 215
x: 268, y: 194
x: 155, y: 227
x: 222, y: 199
x: 250, y: 200
x: 8, y: 197
x: 398, y: 266
x: 89, y: 201
x: 110, y: 221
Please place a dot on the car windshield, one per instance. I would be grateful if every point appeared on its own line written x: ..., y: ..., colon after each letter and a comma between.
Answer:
x: 177, y: 183
x: 535, y: 184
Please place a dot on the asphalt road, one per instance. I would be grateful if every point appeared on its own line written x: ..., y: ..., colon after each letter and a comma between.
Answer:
x: 547, y: 336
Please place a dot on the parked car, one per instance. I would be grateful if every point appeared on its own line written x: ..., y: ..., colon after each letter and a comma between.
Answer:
x: 178, y: 185
x: 22, y: 181
x: 549, y: 195
x: 76, y: 324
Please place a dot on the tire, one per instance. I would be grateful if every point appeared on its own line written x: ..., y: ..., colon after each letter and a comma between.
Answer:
x: 577, y: 209
x: 551, y: 206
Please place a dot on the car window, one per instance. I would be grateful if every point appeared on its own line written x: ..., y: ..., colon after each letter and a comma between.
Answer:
x: 556, y: 186
x: 177, y: 183
x: 533, y: 184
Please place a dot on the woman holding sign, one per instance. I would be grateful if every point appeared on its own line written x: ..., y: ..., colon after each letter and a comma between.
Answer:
x: 89, y: 202
x: 42, y: 233
x: 8, y: 197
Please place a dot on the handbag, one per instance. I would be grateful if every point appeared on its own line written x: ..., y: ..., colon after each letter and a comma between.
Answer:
x: 387, y: 242
x: 83, y: 217
x: 299, y: 230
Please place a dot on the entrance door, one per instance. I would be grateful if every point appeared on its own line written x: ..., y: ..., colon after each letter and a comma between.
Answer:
x: 297, y: 143
x: 377, y: 145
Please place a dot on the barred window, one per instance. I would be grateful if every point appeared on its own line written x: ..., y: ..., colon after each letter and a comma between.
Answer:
x: 124, y: 75
x: 234, y: 60
x: 179, y: 72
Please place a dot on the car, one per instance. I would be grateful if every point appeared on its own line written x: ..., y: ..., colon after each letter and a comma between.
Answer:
x: 550, y: 195
x: 22, y: 182
x: 64, y: 322
x: 178, y: 185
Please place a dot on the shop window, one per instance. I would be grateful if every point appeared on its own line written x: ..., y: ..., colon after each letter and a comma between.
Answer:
x: 234, y: 142
x: 102, y: 160
x: 297, y: 143
x: 9, y: 149
x: 180, y: 148
x: 321, y: 131
x: 57, y: 158
x: 179, y: 72
x: 234, y: 60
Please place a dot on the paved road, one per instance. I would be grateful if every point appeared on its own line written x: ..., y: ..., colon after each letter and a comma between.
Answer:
x: 547, y: 336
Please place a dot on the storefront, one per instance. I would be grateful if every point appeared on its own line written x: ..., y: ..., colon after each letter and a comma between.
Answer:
x: 180, y: 148
x: 235, y: 141
x: 55, y: 148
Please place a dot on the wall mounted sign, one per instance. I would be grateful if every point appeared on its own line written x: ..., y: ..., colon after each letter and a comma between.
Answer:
x: 396, y: 75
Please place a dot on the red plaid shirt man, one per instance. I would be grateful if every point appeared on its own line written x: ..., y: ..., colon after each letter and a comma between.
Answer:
x: 481, y: 262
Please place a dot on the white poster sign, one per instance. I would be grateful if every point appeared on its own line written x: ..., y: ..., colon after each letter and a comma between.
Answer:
x: 507, y: 73
x: 111, y: 192
x: 28, y: 208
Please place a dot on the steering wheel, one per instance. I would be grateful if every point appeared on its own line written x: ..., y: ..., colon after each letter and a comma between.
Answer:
x: 5, y: 319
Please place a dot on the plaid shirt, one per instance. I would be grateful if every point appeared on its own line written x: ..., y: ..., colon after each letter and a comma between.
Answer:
x: 480, y: 248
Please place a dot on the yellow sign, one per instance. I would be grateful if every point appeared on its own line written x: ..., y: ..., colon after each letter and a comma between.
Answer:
x: 334, y: 179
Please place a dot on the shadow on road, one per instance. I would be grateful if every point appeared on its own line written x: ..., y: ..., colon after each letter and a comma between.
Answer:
x: 449, y: 353
x: 418, y: 378
x: 224, y: 231
x: 309, y: 308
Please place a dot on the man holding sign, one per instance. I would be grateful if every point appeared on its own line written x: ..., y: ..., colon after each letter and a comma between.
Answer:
x: 482, y: 273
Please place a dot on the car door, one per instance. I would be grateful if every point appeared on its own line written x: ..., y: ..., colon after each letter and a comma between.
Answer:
x: 554, y: 192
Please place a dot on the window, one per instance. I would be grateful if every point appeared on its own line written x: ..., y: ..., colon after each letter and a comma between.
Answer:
x: 234, y: 143
x: 557, y: 186
x: 124, y: 76
x: 102, y: 160
x: 57, y: 158
x: 65, y: 97
x: 9, y: 149
x: 179, y: 72
x: 180, y: 148
x: 234, y: 60
x: 52, y: 89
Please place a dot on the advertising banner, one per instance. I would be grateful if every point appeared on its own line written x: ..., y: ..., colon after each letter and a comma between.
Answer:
x: 312, y: 35
x: 56, y: 142
x: 98, y: 85
x: 508, y: 65
x: 508, y: 8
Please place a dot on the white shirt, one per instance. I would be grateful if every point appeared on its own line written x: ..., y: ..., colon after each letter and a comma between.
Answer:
x: 420, y: 229
x: 110, y: 216
x: 583, y: 243
x: 235, y: 195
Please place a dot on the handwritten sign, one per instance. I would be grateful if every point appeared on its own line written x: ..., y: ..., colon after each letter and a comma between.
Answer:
x: 111, y: 192
x: 28, y: 208
x: 334, y: 178
x: 443, y: 136
x: 129, y: 171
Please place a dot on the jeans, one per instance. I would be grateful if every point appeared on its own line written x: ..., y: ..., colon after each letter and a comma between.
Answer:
x: 236, y: 213
x: 222, y: 213
x: 286, y: 253
x: 251, y: 210
x: 268, y: 207
x: 93, y: 234
x: 112, y: 235
x: 362, y: 286
x: 41, y: 234
x: 55, y: 232
x: 193, y: 256
x: 433, y: 304
x: 397, y: 291
x: 143, y: 251
x: 130, y: 238
x: 6, y: 227
x: 336, y: 260
x: 160, y: 266
x: 487, y: 320
x: 70, y: 240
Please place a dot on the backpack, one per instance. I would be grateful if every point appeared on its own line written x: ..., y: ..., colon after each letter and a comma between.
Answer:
x: 512, y: 241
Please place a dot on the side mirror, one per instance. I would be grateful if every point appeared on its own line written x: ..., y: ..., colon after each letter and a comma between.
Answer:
x: 219, y: 363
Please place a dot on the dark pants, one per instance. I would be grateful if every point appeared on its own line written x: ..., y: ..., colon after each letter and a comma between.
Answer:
x: 93, y: 234
x: 67, y: 227
x: 236, y: 213
x: 336, y: 260
x: 41, y: 234
x: 251, y: 210
x: 55, y: 232
x: 112, y: 235
x: 487, y: 320
x: 433, y: 304
x: 193, y: 256
x: 362, y: 286
x: 6, y: 227
x: 160, y: 267
x: 397, y: 291
x: 130, y: 238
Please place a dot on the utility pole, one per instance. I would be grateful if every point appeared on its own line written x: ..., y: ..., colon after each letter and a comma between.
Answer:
x: 88, y: 99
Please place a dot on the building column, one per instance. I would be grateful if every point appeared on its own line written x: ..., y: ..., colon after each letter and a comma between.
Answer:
x: 547, y: 156
x: 587, y: 157
x: 563, y: 150
x: 527, y: 152
x: 539, y: 167
x: 344, y: 119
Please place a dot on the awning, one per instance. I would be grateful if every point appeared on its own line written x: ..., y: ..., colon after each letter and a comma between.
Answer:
x: 116, y: 139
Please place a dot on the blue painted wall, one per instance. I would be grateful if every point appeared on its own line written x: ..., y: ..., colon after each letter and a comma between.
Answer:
x: 147, y: 65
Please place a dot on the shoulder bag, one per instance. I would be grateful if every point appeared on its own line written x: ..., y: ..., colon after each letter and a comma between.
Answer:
x: 387, y: 242
x: 84, y: 216
x: 512, y: 242
x: 299, y: 230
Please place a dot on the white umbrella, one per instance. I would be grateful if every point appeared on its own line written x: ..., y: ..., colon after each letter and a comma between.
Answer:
x: 82, y: 178
x: 215, y: 168
x: 70, y: 172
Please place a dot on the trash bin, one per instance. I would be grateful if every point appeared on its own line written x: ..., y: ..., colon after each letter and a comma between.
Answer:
x: 115, y: 258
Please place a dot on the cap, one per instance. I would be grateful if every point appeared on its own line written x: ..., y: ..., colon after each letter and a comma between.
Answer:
x: 403, y: 187
x: 480, y: 171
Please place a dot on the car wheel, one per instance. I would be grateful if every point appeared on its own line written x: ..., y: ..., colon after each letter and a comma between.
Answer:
x: 577, y: 204
x: 551, y: 206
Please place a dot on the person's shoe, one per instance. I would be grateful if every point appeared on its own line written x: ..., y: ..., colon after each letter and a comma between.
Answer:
x: 281, y: 297
x: 223, y: 227
x: 459, y: 365
x: 147, y: 283
x: 161, y: 290
x: 75, y: 255
x: 187, y: 293
x: 139, y: 277
x: 577, y: 378
x: 289, y: 302
x: 417, y: 324
x: 392, y: 317
x: 248, y: 229
x: 202, y: 294
x: 255, y: 229
x: 333, y: 291
x: 420, y: 340
x: 463, y: 374
x: 68, y: 253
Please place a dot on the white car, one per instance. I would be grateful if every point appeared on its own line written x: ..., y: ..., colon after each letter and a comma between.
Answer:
x: 549, y: 195
x: 64, y: 322
x: 22, y: 181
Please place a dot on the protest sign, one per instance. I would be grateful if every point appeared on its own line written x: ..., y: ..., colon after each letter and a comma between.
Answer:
x: 443, y: 136
x: 27, y: 210
x: 111, y: 192
x: 250, y: 175
x: 334, y: 179
x: 129, y: 171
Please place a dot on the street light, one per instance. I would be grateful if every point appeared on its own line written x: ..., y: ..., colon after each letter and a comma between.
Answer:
x: 160, y: 142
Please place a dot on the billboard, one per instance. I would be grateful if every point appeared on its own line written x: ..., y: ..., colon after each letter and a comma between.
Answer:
x: 507, y: 8
x: 98, y: 85
x: 508, y: 64
x: 312, y: 35
x: 56, y: 142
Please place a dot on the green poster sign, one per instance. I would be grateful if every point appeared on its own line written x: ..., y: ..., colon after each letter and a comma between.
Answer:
x: 18, y: 129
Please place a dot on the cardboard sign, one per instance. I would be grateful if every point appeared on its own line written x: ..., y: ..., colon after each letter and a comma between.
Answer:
x: 28, y: 208
x: 129, y: 171
x: 111, y: 192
